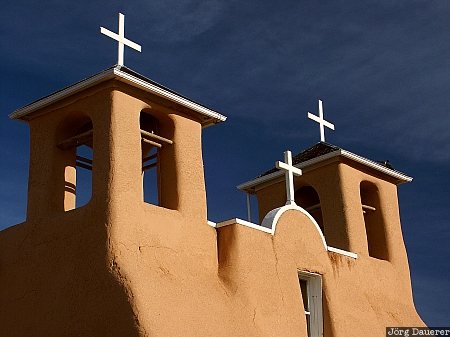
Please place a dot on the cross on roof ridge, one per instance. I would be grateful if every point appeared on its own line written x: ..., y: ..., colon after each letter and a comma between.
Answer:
x: 322, y: 122
x: 121, y: 39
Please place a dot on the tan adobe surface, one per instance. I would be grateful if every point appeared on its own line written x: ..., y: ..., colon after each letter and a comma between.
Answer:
x: 121, y: 267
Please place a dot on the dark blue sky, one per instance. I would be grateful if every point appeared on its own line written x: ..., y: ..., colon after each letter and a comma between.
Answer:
x: 382, y: 68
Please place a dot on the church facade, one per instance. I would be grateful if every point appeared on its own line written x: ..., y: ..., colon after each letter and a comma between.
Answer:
x: 133, y: 263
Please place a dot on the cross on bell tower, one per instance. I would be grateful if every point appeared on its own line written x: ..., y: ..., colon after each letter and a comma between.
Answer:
x: 322, y: 122
x: 121, y: 39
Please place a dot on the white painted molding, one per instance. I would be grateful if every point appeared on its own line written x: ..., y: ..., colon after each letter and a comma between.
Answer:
x: 403, y: 178
x: 243, y: 223
x: 270, y: 222
x: 115, y: 72
x: 314, y: 293
x: 86, y: 83
x: 376, y: 166
x: 271, y: 219
x: 170, y: 96
x: 212, y: 224
x: 342, y: 252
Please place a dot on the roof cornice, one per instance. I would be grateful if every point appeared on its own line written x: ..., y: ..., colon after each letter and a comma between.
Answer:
x: 212, y: 117
x: 63, y: 93
x: 401, y: 177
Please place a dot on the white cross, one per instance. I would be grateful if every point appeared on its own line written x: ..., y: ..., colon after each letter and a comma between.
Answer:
x: 121, y: 39
x: 289, y: 174
x: 322, y: 122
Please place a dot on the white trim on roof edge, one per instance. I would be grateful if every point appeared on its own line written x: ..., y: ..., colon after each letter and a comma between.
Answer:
x: 123, y: 76
x: 171, y: 96
x: 342, y: 252
x: 21, y: 112
x: 211, y: 223
x: 395, y: 174
x: 376, y: 166
x: 244, y: 223
x: 271, y: 219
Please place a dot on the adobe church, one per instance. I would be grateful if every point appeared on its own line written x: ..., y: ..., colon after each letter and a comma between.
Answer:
x: 325, y: 258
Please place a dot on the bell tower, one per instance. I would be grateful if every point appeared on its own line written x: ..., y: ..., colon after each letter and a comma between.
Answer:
x: 353, y: 200
x: 130, y: 125
x: 138, y: 145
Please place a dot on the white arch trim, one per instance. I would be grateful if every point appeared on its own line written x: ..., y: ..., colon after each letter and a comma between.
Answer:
x: 270, y: 222
x: 271, y: 219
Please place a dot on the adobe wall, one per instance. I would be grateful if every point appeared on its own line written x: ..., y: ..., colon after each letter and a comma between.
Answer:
x: 360, y: 296
x: 162, y: 288
x: 120, y: 267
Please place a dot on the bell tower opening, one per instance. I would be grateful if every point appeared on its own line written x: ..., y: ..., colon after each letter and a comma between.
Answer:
x: 373, y: 220
x: 84, y: 175
x: 307, y: 198
x: 77, y: 154
x: 150, y: 158
x: 155, y: 156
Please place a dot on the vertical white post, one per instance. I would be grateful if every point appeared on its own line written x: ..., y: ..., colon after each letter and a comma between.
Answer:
x: 289, y: 179
x: 322, y: 129
x: 249, y: 209
x: 121, y: 37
